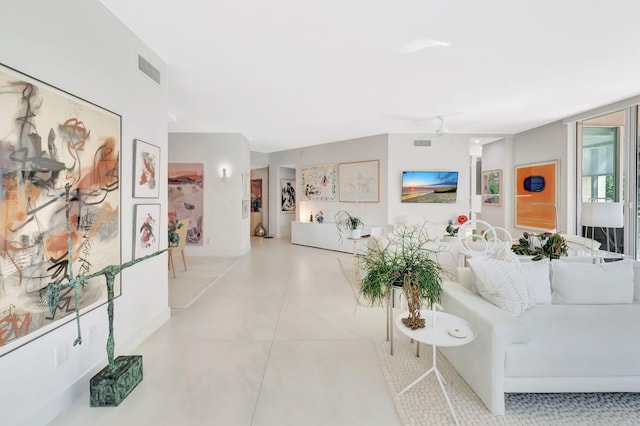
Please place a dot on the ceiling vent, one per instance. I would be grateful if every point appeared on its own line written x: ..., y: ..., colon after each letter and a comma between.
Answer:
x: 149, y: 70
x: 422, y: 142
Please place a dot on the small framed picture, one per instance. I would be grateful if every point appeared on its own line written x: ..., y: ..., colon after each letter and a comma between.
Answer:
x: 146, y: 169
x: 492, y: 187
x: 245, y: 209
x: 146, y: 239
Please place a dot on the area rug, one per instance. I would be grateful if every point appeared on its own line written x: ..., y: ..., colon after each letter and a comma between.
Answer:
x: 424, y: 404
x: 200, y: 274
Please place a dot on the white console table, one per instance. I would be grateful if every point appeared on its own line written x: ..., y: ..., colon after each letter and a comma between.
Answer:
x: 320, y: 235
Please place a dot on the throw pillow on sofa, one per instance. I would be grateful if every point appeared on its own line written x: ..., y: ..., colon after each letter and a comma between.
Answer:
x: 502, y: 283
x: 538, y: 280
x: 592, y: 284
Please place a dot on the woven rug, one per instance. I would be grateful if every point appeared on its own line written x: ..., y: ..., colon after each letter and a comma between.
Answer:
x: 424, y: 404
x: 201, y: 273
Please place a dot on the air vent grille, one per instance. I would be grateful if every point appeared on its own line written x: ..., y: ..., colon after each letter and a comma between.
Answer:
x: 149, y: 70
x: 422, y: 142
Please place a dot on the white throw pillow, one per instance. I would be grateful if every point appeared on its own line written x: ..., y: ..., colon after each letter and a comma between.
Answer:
x: 538, y: 280
x: 592, y: 284
x: 502, y: 283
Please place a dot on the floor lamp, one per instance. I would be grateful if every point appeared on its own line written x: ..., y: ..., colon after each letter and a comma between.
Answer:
x: 602, y: 215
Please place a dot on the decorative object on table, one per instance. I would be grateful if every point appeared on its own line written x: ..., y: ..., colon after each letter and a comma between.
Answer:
x: 462, y: 219
x: 186, y: 197
x: 287, y: 196
x: 536, y: 188
x: 404, y: 259
x: 177, y: 242
x: 51, y: 138
x: 260, y: 231
x: 346, y: 222
x: 146, y: 239
x: 359, y: 181
x: 492, y: 187
x: 319, y: 183
x: 114, y: 382
x: 320, y: 217
x: 256, y: 195
x: 551, y: 246
x: 451, y: 231
x: 603, y: 215
x: 146, y: 170
x: 429, y: 187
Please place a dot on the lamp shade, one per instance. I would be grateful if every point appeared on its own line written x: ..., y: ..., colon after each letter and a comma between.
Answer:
x: 604, y: 215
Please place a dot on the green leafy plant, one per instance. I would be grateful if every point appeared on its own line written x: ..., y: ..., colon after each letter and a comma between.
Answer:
x: 451, y: 231
x: 553, y: 246
x: 346, y: 222
x: 174, y: 237
x: 404, y: 259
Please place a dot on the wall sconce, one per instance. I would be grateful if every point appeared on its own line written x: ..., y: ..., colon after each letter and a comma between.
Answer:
x: 224, y: 174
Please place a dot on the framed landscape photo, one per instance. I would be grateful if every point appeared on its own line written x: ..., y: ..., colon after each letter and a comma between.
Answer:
x: 146, y: 170
x: 536, y: 195
x: 492, y: 187
x: 146, y: 240
x: 359, y: 181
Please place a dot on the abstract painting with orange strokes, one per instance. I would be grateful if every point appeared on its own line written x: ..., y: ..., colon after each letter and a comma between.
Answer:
x: 536, y: 190
x: 50, y: 139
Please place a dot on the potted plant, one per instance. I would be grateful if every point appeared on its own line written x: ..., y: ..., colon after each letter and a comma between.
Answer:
x: 346, y: 222
x: 550, y: 245
x: 407, y: 261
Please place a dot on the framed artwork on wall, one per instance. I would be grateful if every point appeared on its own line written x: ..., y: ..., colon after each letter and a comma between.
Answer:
x: 50, y: 140
x: 536, y: 195
x: 287, y: 196
x: 319, y: 183
x: 256, y: 195
x: 359, y: 181
x: 146, y: 170
x: 492, y: 187
x: 186, y: 197
x: 146, y: 240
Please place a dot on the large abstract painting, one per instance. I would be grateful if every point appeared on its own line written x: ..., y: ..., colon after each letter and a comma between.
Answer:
x: 287, y: 195
x: 256, y: 195
x: 50, y: 140
x: 359, y: 181
x: 536, y: 189
x: 186, y: 200
x: 319, y: 183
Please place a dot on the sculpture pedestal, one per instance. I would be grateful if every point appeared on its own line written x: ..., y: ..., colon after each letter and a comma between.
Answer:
x: 110, y: 388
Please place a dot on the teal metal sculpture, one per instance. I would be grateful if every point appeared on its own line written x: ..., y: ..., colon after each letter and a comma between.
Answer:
x: 118, y: 383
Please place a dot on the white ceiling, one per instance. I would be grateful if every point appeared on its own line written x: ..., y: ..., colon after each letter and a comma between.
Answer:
x: 292, y: 73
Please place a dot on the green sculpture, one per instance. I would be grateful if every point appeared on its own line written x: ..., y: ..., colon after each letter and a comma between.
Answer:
x: 111, y: 385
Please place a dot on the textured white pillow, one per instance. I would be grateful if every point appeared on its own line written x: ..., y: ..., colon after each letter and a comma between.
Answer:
x: 538, y: 280
x: 502, y: 283
x: 589, y: 284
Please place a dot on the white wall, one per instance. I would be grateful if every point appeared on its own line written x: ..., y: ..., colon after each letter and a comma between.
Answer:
x: 78, y: 46
x: 546, y: 143
x: 498, y: 155
x: 446, y: 153
x: 361, y: 149
x: 226, y: 232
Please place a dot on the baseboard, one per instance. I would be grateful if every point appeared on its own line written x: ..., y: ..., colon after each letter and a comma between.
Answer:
x: 57, y: 404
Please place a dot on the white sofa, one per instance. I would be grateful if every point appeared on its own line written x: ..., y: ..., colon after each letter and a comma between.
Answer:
x: 557, y: 347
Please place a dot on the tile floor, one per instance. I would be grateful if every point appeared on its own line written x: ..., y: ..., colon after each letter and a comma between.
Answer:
x: 278, y: 340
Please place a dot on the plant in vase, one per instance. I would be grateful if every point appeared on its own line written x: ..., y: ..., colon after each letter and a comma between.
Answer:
x: 174, y: 237
x: 346, y: 222
x: 551, y: 246
x: 404, y: 260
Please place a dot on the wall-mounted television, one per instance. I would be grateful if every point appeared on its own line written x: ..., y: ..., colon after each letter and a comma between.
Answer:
x: 429, y: 187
